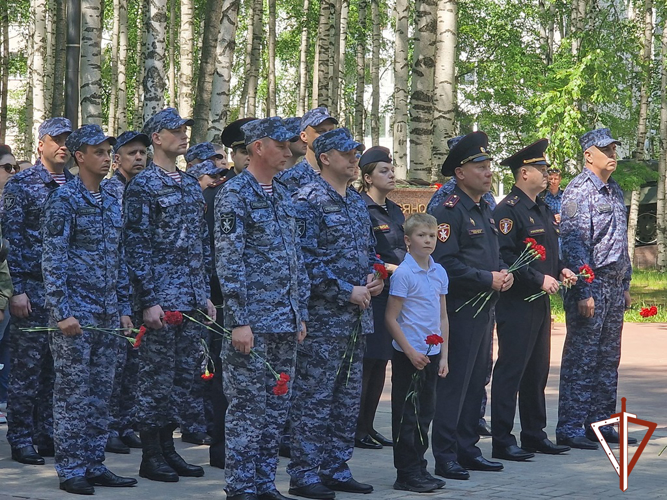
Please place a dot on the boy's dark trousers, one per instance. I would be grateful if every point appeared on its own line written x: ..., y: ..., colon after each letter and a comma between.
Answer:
x: 409, y: 447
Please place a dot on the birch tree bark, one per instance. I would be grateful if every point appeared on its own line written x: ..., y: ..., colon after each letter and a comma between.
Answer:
x: 577, y: 18
x: 115, y: 40
x: 38, y: 54
x: 361, y: 74
x: 60, y: 54
x: 206, y: 69
x: 401, y: 64
x: 154, y: 77
x: 421, y: 100
x: 323, y: 82
x: 186, y: 45
x: 639, y: 152
x: 121, y: 108
x: 143, y: 16
x: 375, y: 73
x: 31, y: 144
x: 91, y: 62
x: 255, y: 57
x: 316, y: 64
x: 302, y: 101
x: 223, y: 69
x: 334, y: 54
x: 4, y: 68
x: 662, y: 165
x: 272, y: 59
x: 444, y: 98
x: 344, y: 20
x: 248, y: 57
x: 50, y: 51
x: 172, y: 53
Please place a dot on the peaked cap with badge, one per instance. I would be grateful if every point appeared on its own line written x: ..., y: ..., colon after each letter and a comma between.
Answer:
x: 54, y: 126
x: 600, y: 138
x: 528, y: 156
x: 232, y: 136
x: 472, y: 147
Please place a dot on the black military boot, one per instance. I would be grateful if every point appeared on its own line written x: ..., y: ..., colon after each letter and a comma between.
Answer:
x: 153, y: 465
x: 172, y: 458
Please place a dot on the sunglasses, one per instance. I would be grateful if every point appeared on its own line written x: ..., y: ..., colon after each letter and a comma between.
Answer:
x: 10, y: 167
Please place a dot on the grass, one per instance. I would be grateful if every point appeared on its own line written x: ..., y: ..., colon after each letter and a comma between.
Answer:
x: 647, y: 288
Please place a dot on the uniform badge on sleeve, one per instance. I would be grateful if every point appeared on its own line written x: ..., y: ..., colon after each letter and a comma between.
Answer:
x: 56, y: 226
x: 9, y: 201
x: 506, y: 225
x: 134, y: 211
x: 570, y: 209
x: 228, y: 222
x: 300, y: 227
x: 444, y: 230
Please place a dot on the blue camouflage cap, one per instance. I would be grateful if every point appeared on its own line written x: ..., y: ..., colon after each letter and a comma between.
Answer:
x: 600, y: 138
x: 207, y: 167
x: 130, y: 136
x: 316, y: 116
x: 293, y: 125
x: 168, y: 119
x: 201, y: 151
x: 87, y: 135
x: 339, y: 139
x: 54, y: 127
x: 273, y: 128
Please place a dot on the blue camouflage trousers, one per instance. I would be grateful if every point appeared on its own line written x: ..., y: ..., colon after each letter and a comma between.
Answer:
x: 168, y: 360
x: 591, y: 355
x: 325, y: 407
x: 84, y: 366
x: 124, y: 394
x: 30, y: 389
x: 255, y: 416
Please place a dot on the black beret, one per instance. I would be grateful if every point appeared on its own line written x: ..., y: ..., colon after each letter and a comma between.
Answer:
x: 374, y: 155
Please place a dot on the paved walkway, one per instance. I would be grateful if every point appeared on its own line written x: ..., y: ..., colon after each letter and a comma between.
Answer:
x: 579, y: 474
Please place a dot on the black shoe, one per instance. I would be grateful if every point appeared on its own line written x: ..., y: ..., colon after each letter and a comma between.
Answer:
x: 483, y: 428
x: 27, y: 455
x: 153, y: 466
x: 200, y: 438
x: 243, y: 496
x: 452, y: 470
x: 580, y: 442
x: 368, y: 443
x: 116, y: 445
x: 611, y: 437
x: 545, y: 446
x: 380, y: 438
x: 112, y: 480
x: 482, y: 464
x: 349, y: 486
x: 131, y: 440
x: 273, y: 495
x: 46, y: 451
x: 438, y: 482
x: 513, y: 453
x: 415, y: 483
x: 285, y: 451
x: 173, y: 459
x: 315, y: 490
x: 78, y: 485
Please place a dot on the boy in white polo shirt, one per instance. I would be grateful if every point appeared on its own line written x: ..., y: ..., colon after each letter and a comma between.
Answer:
x: 416, y: 311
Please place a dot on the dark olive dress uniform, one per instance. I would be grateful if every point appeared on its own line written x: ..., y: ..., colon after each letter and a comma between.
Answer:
x: 468, y: 249
x: 524, y: 328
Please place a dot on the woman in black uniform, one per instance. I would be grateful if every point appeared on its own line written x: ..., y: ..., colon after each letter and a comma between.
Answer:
x: 377, y: 180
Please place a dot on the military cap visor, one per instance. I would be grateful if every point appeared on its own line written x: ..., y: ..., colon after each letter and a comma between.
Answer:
x: 375, y: 154
x: 339, y: 139
x: 128, y: 137
x: 471, y: 148
x: 168, y: 119
x: 87, y: 135
x: 529, y: 156
x: 271, y: 128
x: 599, y: 138
x: 315, y: 117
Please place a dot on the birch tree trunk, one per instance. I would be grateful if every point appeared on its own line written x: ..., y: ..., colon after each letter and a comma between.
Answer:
x: 302, y: 101
x: 60, y: 54
x: 577, y: 18
x: 323, y: 82
x: 334, y: 54
x: 444, y: 98
x: 186, y: 45
x: 316, y: 80
x: 206, y: 69
x: 421, y: 100
x: 662, y: 165
x: 4, y: 67
x: 361, y: 74
x: 401, y: 64
x: 31, y: 144
x: 344, y: 19
x: 121, y: 109
x: 272, y: 59
x: 50, y: 59
x: 255, y: 57
x: 223, y: 69
x: 248, y: 57
x: 154, y: 78
x: 375, y: 73
x: 38, y: 53
x: 639, y: 153
x: 91, y: 62
x: 115, y: 40
x: 172, y: 54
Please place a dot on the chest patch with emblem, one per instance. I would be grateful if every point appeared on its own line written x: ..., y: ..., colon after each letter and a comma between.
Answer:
x: 505, y: 225
x: 227, y: 222
x: 300, y: 227
x: 10, y: 201
x: 444, y: 230
x: 570, y: 208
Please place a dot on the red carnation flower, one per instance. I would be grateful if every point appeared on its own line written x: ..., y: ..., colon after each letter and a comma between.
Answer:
x: 140, y: 335
x: 530, y: 242
x: 173, y: 318
x: 207, y: 375
x: 541, y: 251
x: 380, y: 271
x: 281, y: 388
x: 587, y: 273
x: 645, y: 312
x: 434, y: 339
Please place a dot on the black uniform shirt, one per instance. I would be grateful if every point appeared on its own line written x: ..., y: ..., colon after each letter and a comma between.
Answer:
x: 388, y: 230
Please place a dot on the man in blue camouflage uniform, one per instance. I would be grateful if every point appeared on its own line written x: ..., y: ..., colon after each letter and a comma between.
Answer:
x: 437, y: 200
x: 314, y: 123
x: 297, y: 145
x: 339, y: 251
x: 594, y: 233
x: 205, y: 151
x: 86, y: 288
x: 129, y: 154
x: 265, y: 286
x: 168, y: 256
x: 30, y: 390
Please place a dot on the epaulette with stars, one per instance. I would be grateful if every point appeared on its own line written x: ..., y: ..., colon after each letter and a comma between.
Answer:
x: 512, y: 201
x: 451, y: 200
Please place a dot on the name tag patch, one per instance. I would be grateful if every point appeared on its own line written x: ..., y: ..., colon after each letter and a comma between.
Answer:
x: 255, y: 205
x: 475, y: 232
x: 382, y: 227
x: 604, y: 208
x: 330, y: 209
